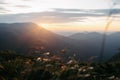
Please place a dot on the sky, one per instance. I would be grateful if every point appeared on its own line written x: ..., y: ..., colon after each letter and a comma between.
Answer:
x: 63, y: 16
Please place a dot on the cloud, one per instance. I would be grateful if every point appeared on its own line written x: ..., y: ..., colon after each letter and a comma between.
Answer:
x: 58, y: 15
x: 116, y: 2
x: 1, y: 2
x: 47, y: 17
x: 94, y: 12
x: 22, y: 6
x: 62, y: 10
x: 26, y: 0
x: 105, y: 11
x: 3, y: 10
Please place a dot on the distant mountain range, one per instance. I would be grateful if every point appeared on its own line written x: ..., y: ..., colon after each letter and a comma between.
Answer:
x: 31, y: 39
x: 94, y: 39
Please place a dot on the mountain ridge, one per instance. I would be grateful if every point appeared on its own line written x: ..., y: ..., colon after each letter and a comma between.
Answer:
x: 29, y: 38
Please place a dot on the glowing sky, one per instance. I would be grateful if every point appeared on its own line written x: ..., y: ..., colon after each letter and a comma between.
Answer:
x: 23, y: 6
x: 62, y: 15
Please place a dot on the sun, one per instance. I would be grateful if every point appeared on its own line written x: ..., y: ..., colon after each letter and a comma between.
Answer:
x: 43, y: 25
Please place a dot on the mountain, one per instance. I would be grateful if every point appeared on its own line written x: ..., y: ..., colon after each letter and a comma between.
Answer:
x: 86, y: 36
x: 28, y: 34
x: 94, y: 39
x: 29, y: 38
